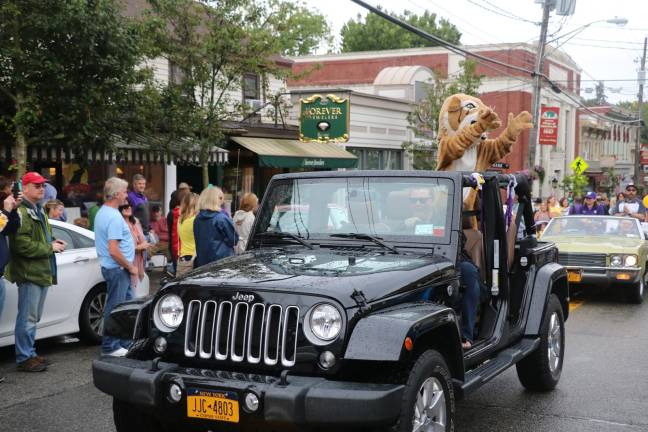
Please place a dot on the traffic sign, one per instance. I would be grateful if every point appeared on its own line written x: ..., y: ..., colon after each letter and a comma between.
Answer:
x: 579, y: 165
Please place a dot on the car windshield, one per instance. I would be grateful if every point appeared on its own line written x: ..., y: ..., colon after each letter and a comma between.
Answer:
x: 386, y: 207
x: 593, y: 226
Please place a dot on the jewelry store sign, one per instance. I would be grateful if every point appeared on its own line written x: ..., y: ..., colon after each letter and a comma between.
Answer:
x: 324, y: 119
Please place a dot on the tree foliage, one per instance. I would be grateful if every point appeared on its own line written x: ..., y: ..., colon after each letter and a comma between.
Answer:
x: 212, y: 50
x: 424, y: 117
x: 600, y: 98
x: 300, y: 30
x: 373, y: 33
x: 634, y: 107
x: 68, y: 73
x: 575, y: 183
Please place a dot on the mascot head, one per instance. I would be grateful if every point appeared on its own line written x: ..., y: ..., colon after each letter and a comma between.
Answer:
x: 457, y: 112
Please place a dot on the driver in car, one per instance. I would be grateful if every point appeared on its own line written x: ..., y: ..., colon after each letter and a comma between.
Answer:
x: 627, y: 228
x: 427, y: 214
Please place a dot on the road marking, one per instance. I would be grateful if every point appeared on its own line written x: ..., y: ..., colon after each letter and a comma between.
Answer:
x: 575, y: 304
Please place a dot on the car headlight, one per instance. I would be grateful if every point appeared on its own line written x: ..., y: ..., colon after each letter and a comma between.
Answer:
x: 631, y: 260
x: 324, y: 323
x: 616, y: 261
x: 168, y: 313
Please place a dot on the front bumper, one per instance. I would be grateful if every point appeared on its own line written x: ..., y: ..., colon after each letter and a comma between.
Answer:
x: 312, y: 401
x: 606, y: 276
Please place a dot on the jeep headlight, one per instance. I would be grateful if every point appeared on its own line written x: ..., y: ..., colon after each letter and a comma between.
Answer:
x: 323, y: 324
x: 616, y: 261
x: 631, y: 260
x: 168, y: 313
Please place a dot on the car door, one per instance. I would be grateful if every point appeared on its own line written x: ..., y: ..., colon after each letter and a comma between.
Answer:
x: 73, y: 266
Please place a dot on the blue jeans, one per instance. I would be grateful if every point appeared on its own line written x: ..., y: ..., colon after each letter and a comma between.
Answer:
x: 470, y: 279
x: 118, y: 287
x: 2, y: 294
x: 31, y: 299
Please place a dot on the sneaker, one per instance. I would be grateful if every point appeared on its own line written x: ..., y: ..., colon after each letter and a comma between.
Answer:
x: 43, y: 360
x: 119, y: 352
x: 2, y: 379
x: 31, y: 365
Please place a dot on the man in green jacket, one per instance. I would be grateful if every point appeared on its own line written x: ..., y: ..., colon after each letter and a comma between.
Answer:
x: 33, y: 268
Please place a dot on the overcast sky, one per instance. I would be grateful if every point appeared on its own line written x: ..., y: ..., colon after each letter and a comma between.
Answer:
x: 604, y: 51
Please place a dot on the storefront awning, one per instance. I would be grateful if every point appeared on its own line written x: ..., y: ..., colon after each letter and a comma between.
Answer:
x: 283, y: 153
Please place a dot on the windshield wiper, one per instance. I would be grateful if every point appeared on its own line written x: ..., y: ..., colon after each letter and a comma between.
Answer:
x: 361, y: 236
x: 284, y: 234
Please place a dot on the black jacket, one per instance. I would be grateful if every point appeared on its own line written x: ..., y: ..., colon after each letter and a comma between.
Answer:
x: 13, y: 223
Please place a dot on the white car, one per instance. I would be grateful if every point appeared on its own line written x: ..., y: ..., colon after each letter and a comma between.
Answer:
x: 76, y: 303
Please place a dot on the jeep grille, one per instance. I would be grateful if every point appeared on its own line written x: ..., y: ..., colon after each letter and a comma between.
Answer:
x: 239, y: 332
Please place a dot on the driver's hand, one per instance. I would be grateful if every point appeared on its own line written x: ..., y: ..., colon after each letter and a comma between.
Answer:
x: 410, y: 222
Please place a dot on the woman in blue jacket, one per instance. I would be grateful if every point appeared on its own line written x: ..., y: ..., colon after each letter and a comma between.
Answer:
x: 213, y: 229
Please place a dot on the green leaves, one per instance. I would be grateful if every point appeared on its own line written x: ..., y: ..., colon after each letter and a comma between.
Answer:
x: 376, y: 33
x: 68, y: 72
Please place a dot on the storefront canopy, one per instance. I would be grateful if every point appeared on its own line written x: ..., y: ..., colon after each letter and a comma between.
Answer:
x: 283, y: 153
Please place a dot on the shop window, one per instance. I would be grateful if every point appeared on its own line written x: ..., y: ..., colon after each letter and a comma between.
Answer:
x: 251, y: 87
x: 376, y: 159
x: 175, y: 74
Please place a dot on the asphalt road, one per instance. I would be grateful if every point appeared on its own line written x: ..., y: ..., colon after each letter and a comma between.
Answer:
x: 604, y: 386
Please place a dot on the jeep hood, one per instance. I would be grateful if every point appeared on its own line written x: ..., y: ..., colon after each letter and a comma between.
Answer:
x: 327, y: 272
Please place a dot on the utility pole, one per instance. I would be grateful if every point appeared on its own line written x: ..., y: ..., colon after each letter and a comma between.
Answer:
x: 638, y: 175
x: 537, y: 82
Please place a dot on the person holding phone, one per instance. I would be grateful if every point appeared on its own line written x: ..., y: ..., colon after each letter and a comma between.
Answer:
x: 32, y: 267
x: 9, y: 223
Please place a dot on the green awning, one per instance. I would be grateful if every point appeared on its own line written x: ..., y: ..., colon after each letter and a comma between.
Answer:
x: 283, y: 153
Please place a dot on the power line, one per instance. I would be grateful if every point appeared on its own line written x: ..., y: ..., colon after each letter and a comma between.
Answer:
x: 465, y: 53
x: 503, y: 13
x: 603, y: 46
x: 609, y: 41
x: 479, y: 37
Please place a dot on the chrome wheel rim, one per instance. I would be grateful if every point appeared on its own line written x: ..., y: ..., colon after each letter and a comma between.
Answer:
x: 96, y: 312
x: 554, y: 342
x: 430, y: 407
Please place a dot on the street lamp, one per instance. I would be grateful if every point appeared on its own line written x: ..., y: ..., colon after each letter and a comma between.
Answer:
x: 554, y: 183
x: 539, y: 68
x: 618, y: 21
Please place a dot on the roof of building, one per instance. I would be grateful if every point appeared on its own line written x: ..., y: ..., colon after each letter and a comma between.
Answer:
x: 552, y: 53
x: 400, y: 75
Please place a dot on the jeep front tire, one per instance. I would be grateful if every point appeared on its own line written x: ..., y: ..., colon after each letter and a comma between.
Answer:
x: 541, y: 370
x: 428, y: 398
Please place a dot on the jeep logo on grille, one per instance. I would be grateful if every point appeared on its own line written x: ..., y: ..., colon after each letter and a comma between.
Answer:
x: 243, y: 297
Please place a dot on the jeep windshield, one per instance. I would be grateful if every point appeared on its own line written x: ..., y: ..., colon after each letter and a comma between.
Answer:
x: 405, y: 209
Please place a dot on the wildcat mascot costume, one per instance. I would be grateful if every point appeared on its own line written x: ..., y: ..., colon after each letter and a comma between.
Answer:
x: 463, y: 142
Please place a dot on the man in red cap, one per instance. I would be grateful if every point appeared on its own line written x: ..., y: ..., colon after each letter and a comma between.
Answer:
x: 33, y: 268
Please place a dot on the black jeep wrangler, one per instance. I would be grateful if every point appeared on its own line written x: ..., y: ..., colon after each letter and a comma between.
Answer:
x: 343, y: 312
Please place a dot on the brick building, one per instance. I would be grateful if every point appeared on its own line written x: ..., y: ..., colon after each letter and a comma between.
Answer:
x: 502, y: 88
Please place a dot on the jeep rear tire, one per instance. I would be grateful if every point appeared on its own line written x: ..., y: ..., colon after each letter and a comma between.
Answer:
x: 428, y: 398
x: 128, y: 418
x: 541, y: 370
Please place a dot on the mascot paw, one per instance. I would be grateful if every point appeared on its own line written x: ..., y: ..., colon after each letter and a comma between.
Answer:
x: 519, y: 123
x: 489, y: 119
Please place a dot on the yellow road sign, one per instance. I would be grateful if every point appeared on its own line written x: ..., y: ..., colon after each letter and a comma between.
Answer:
x: 579, y: 165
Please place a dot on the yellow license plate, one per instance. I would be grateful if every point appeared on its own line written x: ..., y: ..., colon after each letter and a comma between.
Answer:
x: 212, y: 405
x: 574, y: 275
